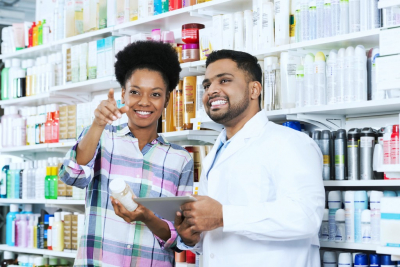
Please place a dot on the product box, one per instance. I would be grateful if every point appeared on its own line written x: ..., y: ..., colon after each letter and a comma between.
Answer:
x: 228, y: 31
x: 62, y: 190
x: 120, y: 12
x: 90, y: 15
x: 72, y: 122
x: 111, y: 12
x: 101, y: 59
x: 109, y: 55
x: 68, y: 232
x: 67, y: 71
x: 141, y: 37
x: 92, y: 60
x: 205, y: 43
x: 63, y: 122
x: 390, y: 222
x: 74, y: 232
x: 388, y: 42
x: 75, y: 53
x: 83, y: 118
x: 388, y: 72
x: 217, y: 26
x: 73, y: 17
x: 83, y: 62
x: 102, y: 19
x: 120, y: 43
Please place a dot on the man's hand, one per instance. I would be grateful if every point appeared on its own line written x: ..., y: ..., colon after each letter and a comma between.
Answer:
x: 205, y: 214
x: 188, y: 235
x: 141, y: 213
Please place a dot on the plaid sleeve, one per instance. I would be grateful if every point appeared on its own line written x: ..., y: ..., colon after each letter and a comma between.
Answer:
x: 74, y: 174
x: 185, y: 188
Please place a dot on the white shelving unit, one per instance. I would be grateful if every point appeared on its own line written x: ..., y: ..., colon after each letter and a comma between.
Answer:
x: 42, y: 201
x: 353, y: 246
x: 38, y: 148
x: 362, y: 183
x: 388, y: 3
x: 191, y: 135
x: 38, y: 251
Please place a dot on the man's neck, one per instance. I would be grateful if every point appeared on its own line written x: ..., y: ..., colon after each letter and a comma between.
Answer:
x: 235, y: 125
x: 144, y: 135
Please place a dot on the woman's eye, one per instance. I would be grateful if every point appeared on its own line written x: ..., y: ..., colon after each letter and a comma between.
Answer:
x: 156, y: 94
x: 134, y: 92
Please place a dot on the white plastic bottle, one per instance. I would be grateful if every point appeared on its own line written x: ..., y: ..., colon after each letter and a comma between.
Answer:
x: 288, y: 65
x: 364, y: 15
x: 282, y: 12
x: 39, y: 181
x: 340, y: 218
x: 267, y: 34
x: 309, y: 79
x: 360, y: 204
x: 375, y: 206
x: 340, y: 82
x: 272, y: 84
x: 344, y: 16
x: 58, y: 233
x: 387, y: 136
x: 360, y: 74
x: 331, y: 77
x: 345, y: 260
x: 349, y: 208
x: 32, y: 180
x: 123, y: 193
x: 354, y: 15
x: 305, y: 32
x: 375, y: 14
x: 327, y: 19
x: 320, y: 18
x: 25, y: 181
x: 334, y: 203
x: 366, y: 226
x: 373, y: 92
x: 12, y: 74
x: 239, y: 31
x: 349, y: 75
x: 319, y: 79
x: 335, y: 6
x: 324, y: 230
x: 329, y: 259
x: 312, y: 14
x: 256, y: 22
x: 297, y: 18
x: 248, y: 30
x: 300, y: 86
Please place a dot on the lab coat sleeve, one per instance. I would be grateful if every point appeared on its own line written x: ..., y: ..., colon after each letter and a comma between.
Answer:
x: 74, y: 174
x: 297, y: 211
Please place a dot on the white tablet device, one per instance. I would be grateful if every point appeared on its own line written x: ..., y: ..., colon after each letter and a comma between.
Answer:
x: 165, y: 207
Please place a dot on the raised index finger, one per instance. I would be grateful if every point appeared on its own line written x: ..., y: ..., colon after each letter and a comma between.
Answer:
x: 111, y: 94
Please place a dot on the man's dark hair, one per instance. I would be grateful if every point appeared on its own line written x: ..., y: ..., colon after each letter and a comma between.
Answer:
x: 155, y: 56
x: 244, y: 61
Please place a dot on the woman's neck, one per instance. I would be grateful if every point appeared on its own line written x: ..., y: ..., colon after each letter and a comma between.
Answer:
x: 144, y: 135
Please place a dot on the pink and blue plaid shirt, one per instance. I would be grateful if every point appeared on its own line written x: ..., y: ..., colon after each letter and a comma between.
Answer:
x: 161, y: 169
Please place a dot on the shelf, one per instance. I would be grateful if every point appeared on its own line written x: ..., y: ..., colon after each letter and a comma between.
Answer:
x: 191, y: 135
x: 395, y: 252
x: 355, y: 246
x: 89, y: 85
x: 38, y: 251
x: 362, y: 183
x: 42, y: 201
x: 35, y: 100
x: 388, y: 3
x: 39, y: 148
x: 389, y: 168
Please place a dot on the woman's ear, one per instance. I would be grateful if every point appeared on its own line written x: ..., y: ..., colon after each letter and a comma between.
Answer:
x: 123, y: 95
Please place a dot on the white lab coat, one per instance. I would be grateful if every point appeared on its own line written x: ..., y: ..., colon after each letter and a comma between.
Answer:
x: 269, y: 181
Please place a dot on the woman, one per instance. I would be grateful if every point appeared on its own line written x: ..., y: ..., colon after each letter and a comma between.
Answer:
x: 151, y: 166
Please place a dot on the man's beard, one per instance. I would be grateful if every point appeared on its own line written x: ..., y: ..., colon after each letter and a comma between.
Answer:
x: 232, y: 112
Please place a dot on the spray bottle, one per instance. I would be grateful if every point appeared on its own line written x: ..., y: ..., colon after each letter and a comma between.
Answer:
x: 366, y: 226
x: 309, y: 79
x: 349, y: 206
x: 340, y: 155
x: 349, y: 75
x: 340, y: 217
x: 334, y: 203
x: 344, y: 16
x: 360, y: 204
x: 360, y: 74
x: 325, y: 149
x: 354, y: 18
x: 331, y: 77
x: 340, y: 88
x: 319, y: 79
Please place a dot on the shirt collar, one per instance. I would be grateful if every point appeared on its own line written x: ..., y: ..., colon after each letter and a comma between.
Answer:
x: 123, y: 130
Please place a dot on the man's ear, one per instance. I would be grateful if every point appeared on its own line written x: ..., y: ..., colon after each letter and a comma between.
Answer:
x: 255, y: 90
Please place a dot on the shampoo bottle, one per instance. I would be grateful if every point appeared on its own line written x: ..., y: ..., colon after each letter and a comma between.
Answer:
x: 10, y: 225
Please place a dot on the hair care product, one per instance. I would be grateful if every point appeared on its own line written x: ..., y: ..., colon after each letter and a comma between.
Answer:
x: 360, y: 204
x: 319, y: 79
x: 331, y: 77
x: 349, y: 213
x: 312, y: 14
x: 394, y: 145
x: 361, y: 260
x: 349, y: 69
x: 189, y: 101
x: 374, y: 260
x: 360, y: 74
x: 326, y: 152
x: 354, y: 15
x: 345, y: 260
x: 344, y: 16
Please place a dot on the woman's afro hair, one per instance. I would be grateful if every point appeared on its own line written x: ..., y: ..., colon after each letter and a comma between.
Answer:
x: 149, y: 55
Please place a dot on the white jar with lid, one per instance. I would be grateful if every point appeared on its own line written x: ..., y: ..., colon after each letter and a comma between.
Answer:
x: 122, y: 192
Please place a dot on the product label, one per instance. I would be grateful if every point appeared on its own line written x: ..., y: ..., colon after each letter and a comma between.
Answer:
x: 326, y: 159
x: 332, y: 224
x: 339, y: 233
x: 49, y: 238
x: 324, y: 231
x: 292, y: 26
x: 394, y: 150
x: 277, y: 7
x: 291, y: 69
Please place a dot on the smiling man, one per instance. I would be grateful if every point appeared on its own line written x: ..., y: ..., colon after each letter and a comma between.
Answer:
x: 261, y: 193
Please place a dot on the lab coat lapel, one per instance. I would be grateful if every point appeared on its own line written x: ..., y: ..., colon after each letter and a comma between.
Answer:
x: 207, y: 163
x: 251, y: 129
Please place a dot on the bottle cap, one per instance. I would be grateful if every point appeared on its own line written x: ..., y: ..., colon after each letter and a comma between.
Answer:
x: 319, y: 56
x: 360, y: 51
x: 349, y: 51
x: 8, y: 255
x: 340, y: 215
x: 117, y: 185
x: 361, y: 259
x: 360, y: 200
x: 387, y: 260
x: 326, y: 134
x: 375, y: 197
x: 374, y: 260
x: 335, y: 199
x: 57, y: 216
x: 341, y: 134
x: 16, y: 62
x: 345, y: 259
x: 388, y: 193
x: 316, y: 135
x: 309, y: 58
x: 14, y: 208
x: 329, y: 257
x: 366, y: 216
x: 54, y: 171
x: 27, y: 208
x: 13, y: 110
x: 354, y: 133
x: 7, y: 63
x: 395, y: 128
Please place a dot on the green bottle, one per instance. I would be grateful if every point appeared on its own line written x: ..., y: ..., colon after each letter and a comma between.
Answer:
x: 10, y: 181
x: 40, y: 32
x: 54, y: 183
x: 164, y: 6
x: 47, y: 183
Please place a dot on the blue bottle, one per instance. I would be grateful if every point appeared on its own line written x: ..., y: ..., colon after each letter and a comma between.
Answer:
x: 10, y: 225
x: 388, y: 193
x: 361, y: 260
x: 360, y: 204
x: 157, y: 7
x: 374, y: 260
x: 3, y: 182
x: 386, y: 260
x: 17, y: 180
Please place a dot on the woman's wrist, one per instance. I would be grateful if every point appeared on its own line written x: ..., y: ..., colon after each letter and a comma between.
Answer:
x: 148, y: 216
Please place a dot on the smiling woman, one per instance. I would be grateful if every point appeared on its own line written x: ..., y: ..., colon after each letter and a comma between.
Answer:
x: 150, y: 165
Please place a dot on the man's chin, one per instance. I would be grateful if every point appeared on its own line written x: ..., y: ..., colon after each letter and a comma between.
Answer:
x: 217, y: 117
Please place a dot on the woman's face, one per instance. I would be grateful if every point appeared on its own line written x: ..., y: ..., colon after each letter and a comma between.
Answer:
x: 145, y: 94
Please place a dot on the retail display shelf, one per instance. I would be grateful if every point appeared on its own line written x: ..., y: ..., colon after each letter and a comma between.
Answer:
x: 36, y: 100
x: 388, y: 3
x: 39, y: 148
x: 191, y: 135
x: 38, y: 251
x: 42, y: 201
x: 389, y: 168
x: 88, y: 86
x: 362, y: 183
x: 355, y: 246
x: 395, y: 252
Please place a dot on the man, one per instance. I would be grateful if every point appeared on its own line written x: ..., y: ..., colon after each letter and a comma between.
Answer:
x: 261, y: 194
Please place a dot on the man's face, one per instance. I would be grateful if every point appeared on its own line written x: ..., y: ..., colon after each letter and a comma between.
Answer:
x: 226, y: 93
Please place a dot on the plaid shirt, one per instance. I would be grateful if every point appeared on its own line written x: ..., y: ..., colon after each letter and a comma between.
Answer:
x: 161, y: 169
